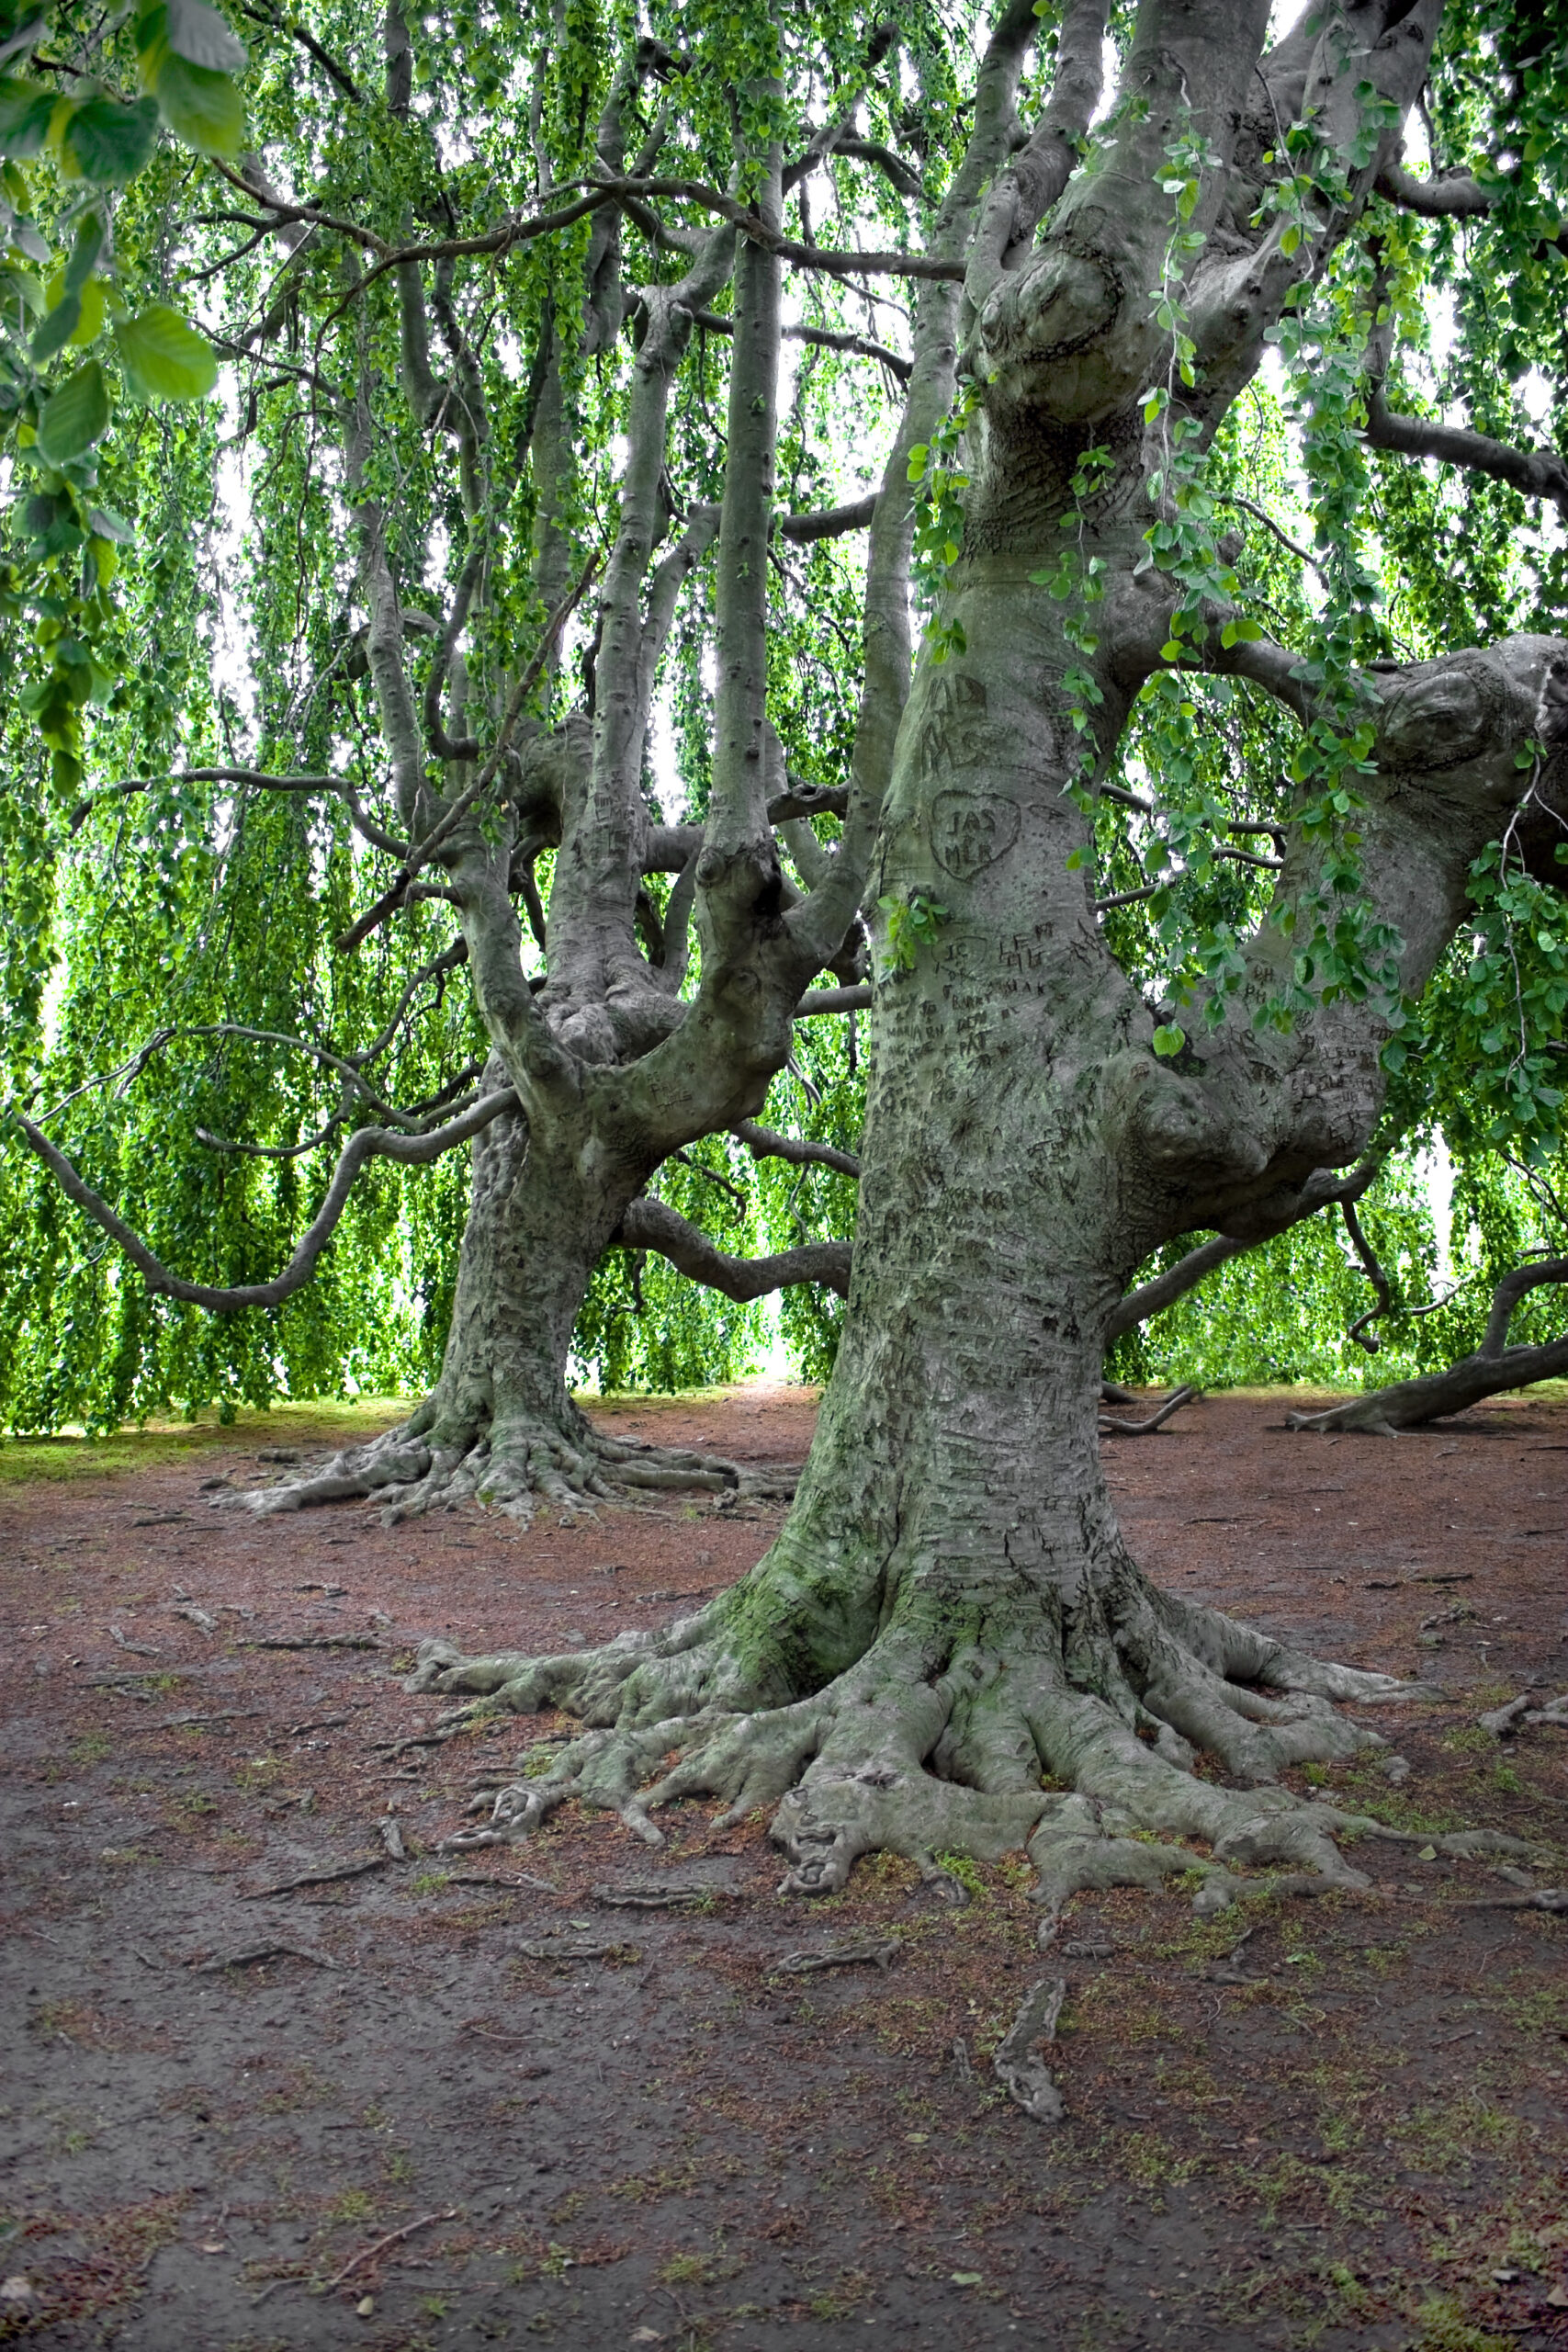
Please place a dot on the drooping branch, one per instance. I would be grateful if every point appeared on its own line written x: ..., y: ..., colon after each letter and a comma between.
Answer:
x: 1161, y: 1291
x: 366, y: 1143
x: 333, y: 67
x: 1507, y: 1295
x: 1373, y: 1267
x: 825, y: 339
x: 256, y: 779
x: 766, y: 1143
x: 1538, y: 473
x: 1407, y: 1405
x: 651, y: 1225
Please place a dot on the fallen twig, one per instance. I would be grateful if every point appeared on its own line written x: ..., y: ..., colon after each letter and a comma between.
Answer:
x: 393, y: 2237
x: 1024, y: 2078
x: 199, y: 1617
x: 1184, y: 1395
x: 327, y: 1722
x: 319, y: 1878
x: 653, y: 1898
x: 1539, y: 1898
x: 261, y: 1952
x: 219, y: 1715
x: 488, y: 1878
x: 572, y: 1952
x: 311, y: 1642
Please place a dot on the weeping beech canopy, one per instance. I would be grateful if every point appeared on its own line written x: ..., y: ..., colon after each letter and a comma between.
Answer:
x: 1031, y: 518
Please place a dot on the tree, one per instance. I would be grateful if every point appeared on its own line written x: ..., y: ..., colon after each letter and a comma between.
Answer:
x: 1165, y: 853
x: 950, y: 1610
x: 599, y: 1069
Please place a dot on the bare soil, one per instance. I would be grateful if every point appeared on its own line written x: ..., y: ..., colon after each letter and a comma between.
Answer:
x: 472, y: 2100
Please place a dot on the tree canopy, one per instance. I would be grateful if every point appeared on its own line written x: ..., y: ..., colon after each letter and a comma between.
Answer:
x: 377, y: 288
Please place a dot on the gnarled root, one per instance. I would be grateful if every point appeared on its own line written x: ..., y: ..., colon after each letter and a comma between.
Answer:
x: 928, y: 1745
x: 513, y: 1467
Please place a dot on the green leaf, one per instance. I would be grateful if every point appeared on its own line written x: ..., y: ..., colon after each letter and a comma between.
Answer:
x: 85, y: 253
x: 57, y: 329
x: 165, y: 358
x: 109, y: 142
x: 75, y: 416
x: 26, y: 111
x: 25, y: 236
x: 22, y: 285
x: 201, y: 36
x: 108, y: 525
x: 1169, y: 1039
x: 92, y: 303
x: 203, y: 108
x: 1172, y: 649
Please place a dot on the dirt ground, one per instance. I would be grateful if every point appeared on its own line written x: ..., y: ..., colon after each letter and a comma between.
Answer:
x: 448, y: 2101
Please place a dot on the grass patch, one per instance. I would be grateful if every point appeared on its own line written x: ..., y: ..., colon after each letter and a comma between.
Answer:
x: 158, y: 1445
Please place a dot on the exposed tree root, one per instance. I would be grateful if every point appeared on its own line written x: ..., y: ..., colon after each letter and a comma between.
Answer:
x: 935, y: 1741
x: 1156, y: 1420
x: 1022, y: 2073
x: 510, y: 1466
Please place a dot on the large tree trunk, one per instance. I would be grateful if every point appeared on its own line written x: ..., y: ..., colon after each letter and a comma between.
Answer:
x: 950, y: 1646
x: 950, y: 1610
x: 500, y: 1426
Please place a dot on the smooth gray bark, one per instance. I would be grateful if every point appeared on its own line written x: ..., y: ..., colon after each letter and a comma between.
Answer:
x: 950, y: 1610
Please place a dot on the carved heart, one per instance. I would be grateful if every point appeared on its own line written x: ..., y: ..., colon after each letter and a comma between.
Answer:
x: 971, y: 829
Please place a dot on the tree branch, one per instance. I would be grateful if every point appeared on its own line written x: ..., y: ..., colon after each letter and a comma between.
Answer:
x: 1455, y: 195
x: 816, y: 1001
x: 821, y: 924
x: 1538, y: 473
x: 440, y: 834
x: 828, y: 523
x: 258, y: 781
x: 826, y: 338
x: 1027, y: 190
x: 1372, y: 1267
x: 651, y: 1225
x: 766, y: 1143
x: 765, y: 233
x: 1161, y: 1291
x: 366, y: 1143
x: 1507, y: 1295
x: 1410, y: 1403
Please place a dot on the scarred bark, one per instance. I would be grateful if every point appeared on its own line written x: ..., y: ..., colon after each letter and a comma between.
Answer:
x: 950, y: 1646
